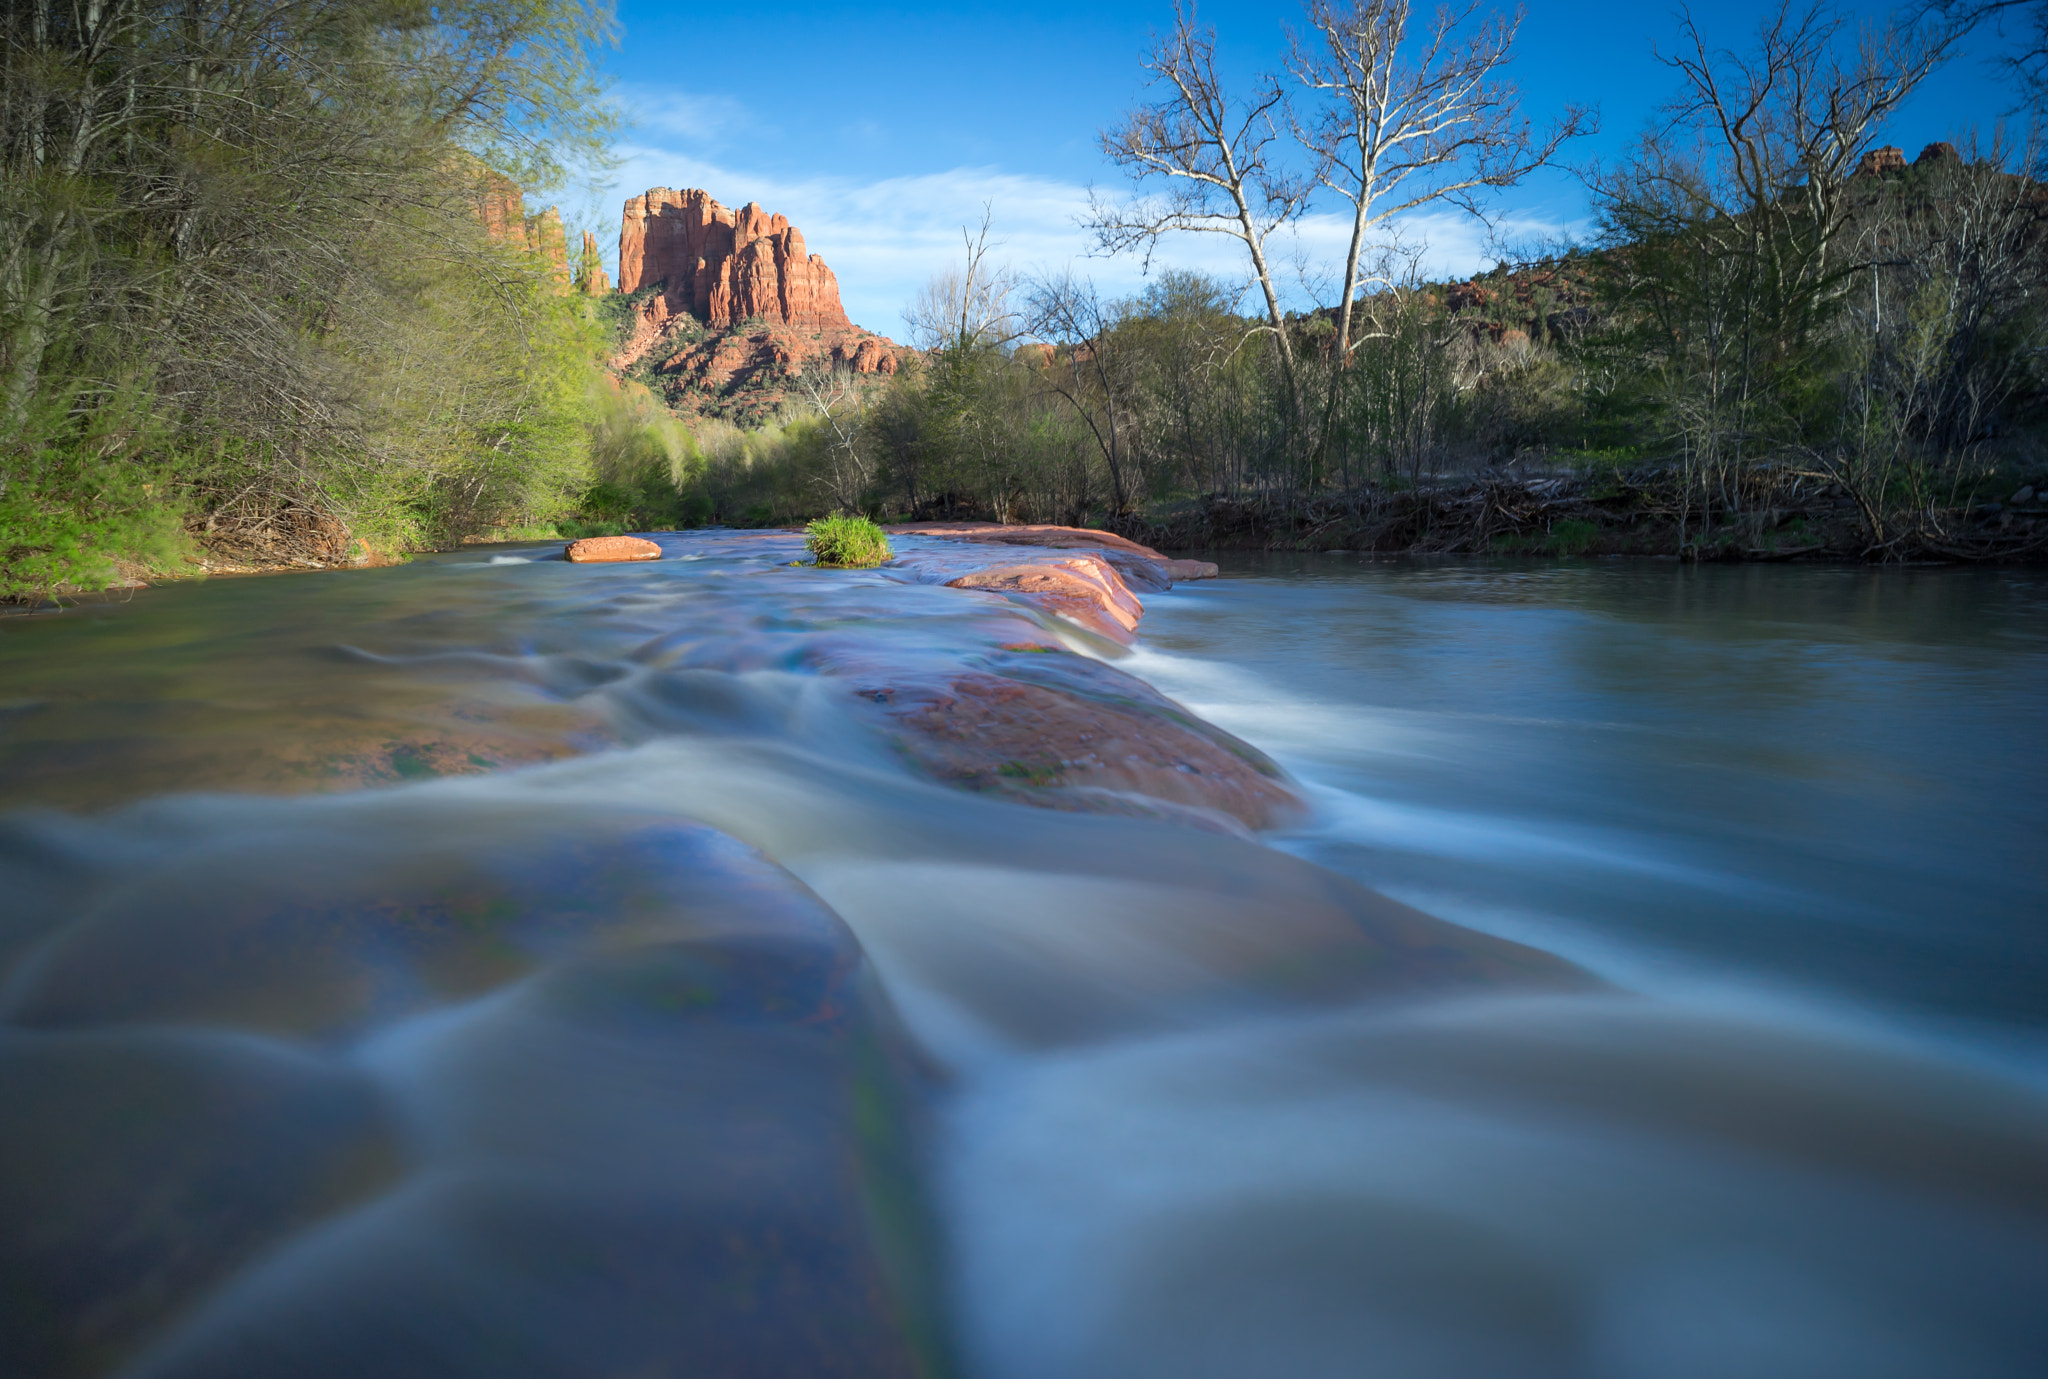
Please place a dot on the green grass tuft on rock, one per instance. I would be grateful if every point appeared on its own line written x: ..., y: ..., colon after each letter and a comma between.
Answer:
x: 847, y: 543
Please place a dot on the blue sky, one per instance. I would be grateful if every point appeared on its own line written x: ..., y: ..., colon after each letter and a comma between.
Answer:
x: 879, y: 131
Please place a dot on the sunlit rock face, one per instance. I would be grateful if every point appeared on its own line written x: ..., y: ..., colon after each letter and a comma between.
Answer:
x: 501, y: 209
x: 592, y: 280
x: 743, y: 308
x: 723, y: 266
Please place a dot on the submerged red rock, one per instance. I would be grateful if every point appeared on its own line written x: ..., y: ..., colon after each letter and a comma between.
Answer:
x: 1092, y: 587
x: 593, y: 550
x: 675, y: 1088
x: 1081, y: 588
x: 1040, y: 725
x: 1043, y: 726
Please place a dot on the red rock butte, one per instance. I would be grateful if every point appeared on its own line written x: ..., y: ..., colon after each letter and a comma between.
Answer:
x: 724, y: 267
x: 501, y: 206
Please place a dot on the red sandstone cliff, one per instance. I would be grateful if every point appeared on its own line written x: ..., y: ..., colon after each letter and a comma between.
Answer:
x: 499, y: 204
x: 546, y: 237
x: 724, y: 267
x: 772, y: 309
x: 501, y: 207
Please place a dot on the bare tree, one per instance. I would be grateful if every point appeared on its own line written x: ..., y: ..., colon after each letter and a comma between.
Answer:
x: 1945, y: 336
x: 1213, y: 157
x: 1087, y: 369
x: 1727, y: 222
x: 1398, y: 130
x: 968, y: 304
x: 1792, y: 119
x: 835, y: 396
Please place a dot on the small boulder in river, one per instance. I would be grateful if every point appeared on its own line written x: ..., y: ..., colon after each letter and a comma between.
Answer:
x: 597, y: 549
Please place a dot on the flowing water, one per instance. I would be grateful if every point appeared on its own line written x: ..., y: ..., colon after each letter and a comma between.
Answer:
x: 439, y: 970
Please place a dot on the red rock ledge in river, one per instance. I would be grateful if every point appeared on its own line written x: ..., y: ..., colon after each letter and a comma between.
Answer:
x: 1090, y: 587
x: 593, y: 550
x: 1118, y: 550
x: 1043, y: 726
x: 1081, y: 588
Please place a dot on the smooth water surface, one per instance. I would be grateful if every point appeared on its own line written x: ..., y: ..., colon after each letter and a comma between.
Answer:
x: 1789, y: 820
x: 1831, y: 782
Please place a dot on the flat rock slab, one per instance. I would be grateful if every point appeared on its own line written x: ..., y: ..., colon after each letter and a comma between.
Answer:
x: 1140, y: 566
x: 592, y: 550
x: 1080, y: 588
x: 1025, y: 535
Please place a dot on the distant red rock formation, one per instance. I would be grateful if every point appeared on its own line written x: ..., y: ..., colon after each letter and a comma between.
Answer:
x: 724, y: 267
x: 1939, y: 152
x: 499, y: 204
x: 501, y: 207
x: 1882, y: 160
x: 591, y: 280
x: 546, y: 237
x: 772, y: 309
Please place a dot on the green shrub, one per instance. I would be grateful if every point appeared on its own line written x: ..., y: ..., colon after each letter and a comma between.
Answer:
x: 84, y: 489
x: 1572, y: 536
x: 573, y: 529
x: 646, y: 464
x: 848, y: 543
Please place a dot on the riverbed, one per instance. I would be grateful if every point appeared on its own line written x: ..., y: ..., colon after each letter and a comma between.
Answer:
x: 345, y: 1027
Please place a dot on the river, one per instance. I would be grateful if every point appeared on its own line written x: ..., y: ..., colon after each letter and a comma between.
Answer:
x: 439, y: 970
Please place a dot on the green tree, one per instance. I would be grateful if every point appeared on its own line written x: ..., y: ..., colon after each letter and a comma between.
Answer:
x: 220, y: 199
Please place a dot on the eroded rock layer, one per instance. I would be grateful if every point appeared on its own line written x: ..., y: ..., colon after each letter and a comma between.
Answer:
x: 723, y: 266
x: 730, y: 307
x: 501, y: 207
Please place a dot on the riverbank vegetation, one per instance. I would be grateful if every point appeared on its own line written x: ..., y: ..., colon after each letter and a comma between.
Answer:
x: 1783, y: 340
x: 268, y: 294
x: 266, y: 284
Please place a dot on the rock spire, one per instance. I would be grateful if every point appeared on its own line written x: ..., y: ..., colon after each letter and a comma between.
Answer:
x: 590, y: 275
x: 501, y: 207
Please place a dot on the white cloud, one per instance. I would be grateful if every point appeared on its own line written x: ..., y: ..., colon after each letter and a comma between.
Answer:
x: 665, y: 113
x: 885, y: 238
